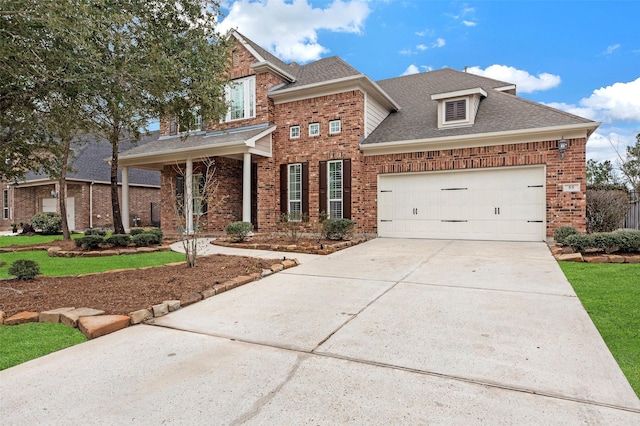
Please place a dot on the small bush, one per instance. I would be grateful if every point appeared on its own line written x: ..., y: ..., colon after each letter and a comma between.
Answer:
x: 337, y: 229
x: 136, y: 231
x: 238, y: 231
x: 157, y: 232
x: 118, y: 240
x: 49, y: 223
x: 606, y: 210
x: 145, y: 239
x: 560, y: 234
x: 625, y: 241
x: 89, y: 242
x: 293, y: 224
x: 98, y: 232
x: 24, y: 269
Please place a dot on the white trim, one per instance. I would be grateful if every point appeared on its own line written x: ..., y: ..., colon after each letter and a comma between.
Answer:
x: 339, y: 127
x: 291, y: 136
x: 314, y: 125
x: 459, y: 94
x: 481, y: 139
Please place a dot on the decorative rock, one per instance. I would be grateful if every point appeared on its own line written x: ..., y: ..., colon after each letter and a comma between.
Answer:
x: 127, y: 251
x: 109, y: 253
x: 160, y: 310
x: 2, y: 315
x: 53, y: 251
x: 209, y: 292
x: 597, y: 259
x: 277, y: 267
x: 614, y: 258
x: 53, y: 315
x: 140, y: 315
x: 570, y: 257
x: 21, y: 318
x: 242, y: 280
x: 190, y: 299
x: 631, y: 259
x: 173, y: 305
x: 231, y: 284
x: 220, y: 288
x: 96, y: 326
x: 286, y: 264
x: 70, y: 318
x: 266, y: 272
x: 146, y: 249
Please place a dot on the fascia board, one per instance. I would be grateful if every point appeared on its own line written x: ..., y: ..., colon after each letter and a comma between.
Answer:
x: 459, y: 93
x: 266, y: 66
x: 247, y: 46
x: 323, y: 88
x: 583, y: 130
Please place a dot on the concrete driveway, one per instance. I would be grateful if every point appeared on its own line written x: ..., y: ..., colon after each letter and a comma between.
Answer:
x: 387, y: 332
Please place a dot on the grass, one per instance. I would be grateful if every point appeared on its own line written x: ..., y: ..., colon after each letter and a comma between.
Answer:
x: 611, y: 295
x: 24, y: 342
x: 61, y: 266
x: 25, y: 240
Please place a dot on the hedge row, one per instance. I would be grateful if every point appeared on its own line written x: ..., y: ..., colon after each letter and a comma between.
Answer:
x: 139, y: 237
x: 623, y: 241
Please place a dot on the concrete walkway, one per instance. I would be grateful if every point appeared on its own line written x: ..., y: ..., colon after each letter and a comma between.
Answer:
x: 386, y: 332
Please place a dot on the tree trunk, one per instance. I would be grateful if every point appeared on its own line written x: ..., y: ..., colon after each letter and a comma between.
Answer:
x: 62, y: 195
x: 118, y: 228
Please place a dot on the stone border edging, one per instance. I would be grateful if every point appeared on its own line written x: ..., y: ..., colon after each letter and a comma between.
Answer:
x: 291, y: 248
x: 93, y: 323
x: 561, y: 256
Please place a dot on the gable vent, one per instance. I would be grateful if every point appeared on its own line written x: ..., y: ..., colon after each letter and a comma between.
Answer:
x: 456, y: 110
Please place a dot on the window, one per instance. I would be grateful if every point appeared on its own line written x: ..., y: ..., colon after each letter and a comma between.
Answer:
x: 314, y: 129
x: 5, y: 204
x: 295, y: 192
x: 173, y: 126
x: 455, y: 110
x: 198, y: 192
x: 294, y: 132
x: 335, y: 190
x: 241, y: 96
x: 334, y: 127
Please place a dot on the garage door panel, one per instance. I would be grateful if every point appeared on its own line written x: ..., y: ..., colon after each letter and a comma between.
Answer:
x: 493, y: 204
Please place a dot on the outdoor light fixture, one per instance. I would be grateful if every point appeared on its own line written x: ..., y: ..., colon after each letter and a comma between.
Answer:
x: 54, y: 194
x: 562, y: 147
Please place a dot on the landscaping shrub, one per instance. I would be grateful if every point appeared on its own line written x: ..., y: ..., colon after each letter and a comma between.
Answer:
x: 157, y: 232
x: 136, y: 231
x: 606, y: 210
x: 293, y: 224
x: 337, y: 229
x: 99, y: 232
x: 89, y: 242
x: 49, y: 223
x: 118, y: 240
x: 24, y: 269
x: 145, y: 239
x: 238, y: 231
x: 560, y: 234
x: 624, y: 241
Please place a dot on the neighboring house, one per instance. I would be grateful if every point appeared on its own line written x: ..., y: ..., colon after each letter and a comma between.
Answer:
x: 88, y: 191
x: 441, y: 154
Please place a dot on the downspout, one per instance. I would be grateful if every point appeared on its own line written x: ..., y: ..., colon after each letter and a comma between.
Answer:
x: 91, y: 205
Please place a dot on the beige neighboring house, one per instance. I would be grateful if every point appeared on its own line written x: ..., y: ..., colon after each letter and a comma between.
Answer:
x: 440, y: 154
x: 88, y: 191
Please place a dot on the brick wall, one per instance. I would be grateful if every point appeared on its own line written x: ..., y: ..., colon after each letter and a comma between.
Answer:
x: 563, y: 208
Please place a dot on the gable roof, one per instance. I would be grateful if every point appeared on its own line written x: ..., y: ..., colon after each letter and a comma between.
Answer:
x: 498, y: 112
x: 90, y: 163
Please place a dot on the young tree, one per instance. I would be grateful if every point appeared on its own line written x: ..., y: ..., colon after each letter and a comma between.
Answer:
x: 204, y: 197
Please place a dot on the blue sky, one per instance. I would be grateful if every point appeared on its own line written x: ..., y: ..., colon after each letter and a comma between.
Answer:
x: 579, y: 56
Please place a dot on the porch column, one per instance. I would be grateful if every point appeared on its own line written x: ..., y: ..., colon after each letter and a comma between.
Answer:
x: 188, y: 207
x: 246, y: 188
x: 125, y: 199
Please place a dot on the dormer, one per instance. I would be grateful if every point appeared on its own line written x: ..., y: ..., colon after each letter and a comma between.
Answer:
x: 459, y: 108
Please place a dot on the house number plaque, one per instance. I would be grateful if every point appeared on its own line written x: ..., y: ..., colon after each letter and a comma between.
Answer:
x: 570, y: 187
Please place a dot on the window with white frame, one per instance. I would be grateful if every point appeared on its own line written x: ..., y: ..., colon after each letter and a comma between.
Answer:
x: 335, y: 189
x: 241, y: 96
x: 295, y: 192
x: 5, y: 204
x: 314, y: 129
x: 198, y: 193
x: 334, y: 127
x: 294, y: 132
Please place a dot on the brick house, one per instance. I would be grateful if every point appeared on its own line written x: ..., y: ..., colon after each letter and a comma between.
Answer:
x: 88, y: 191
x: 441, y: 154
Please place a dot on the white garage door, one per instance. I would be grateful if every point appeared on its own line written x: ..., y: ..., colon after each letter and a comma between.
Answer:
x: 490, y: 204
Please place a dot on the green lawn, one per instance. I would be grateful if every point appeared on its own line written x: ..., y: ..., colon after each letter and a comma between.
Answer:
x: 22, y: 343
x: 60, y: 266
x: 611, y: 295
x: 25, y: 240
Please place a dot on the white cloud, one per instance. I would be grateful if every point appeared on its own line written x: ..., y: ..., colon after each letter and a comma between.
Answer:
x: 411, y: 69
x: 421, y: 47
x: 425, y: 32
x: 290, y: 29
x: 611, y: 49
x: 525, y: 82
x: 438, y: 43
x: 606, y: 144
x: 406, y: 52
x: 619, y: 102
x: 469, y: 23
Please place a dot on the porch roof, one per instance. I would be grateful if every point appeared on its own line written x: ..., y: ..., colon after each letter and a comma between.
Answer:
x: 229, y: 143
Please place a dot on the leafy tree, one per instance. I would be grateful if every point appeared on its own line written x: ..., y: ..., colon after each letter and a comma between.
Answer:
x: 600, y: 173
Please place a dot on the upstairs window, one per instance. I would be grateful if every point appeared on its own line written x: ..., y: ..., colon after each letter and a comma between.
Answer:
x: 335, y: 127
x: 241, y: 97
x: 294, y: 132
x: 314, y: 129
x: 455, y: 110
x: 5, y: 204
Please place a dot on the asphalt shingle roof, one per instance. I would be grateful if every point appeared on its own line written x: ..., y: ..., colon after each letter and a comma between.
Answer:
x: 90, y: 163
x: 498, y: 112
